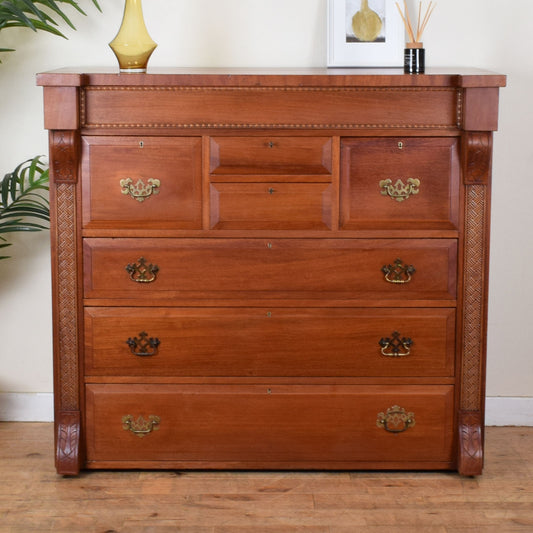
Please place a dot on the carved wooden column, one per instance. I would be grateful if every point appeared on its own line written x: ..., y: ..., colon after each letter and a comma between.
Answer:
x: 61, y: 104
x: 477, y: 149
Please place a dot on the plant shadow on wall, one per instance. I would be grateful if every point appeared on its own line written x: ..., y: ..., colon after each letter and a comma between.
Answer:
x: 23, y: 202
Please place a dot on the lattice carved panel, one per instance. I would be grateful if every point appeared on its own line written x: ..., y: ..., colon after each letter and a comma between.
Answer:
x: 67, y: 296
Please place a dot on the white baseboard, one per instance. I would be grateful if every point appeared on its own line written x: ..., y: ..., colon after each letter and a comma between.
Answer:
x: 508, y: 411
x: 39, y: 407
x: 26, y: 407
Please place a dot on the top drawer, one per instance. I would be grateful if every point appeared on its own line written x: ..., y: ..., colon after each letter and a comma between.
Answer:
x: 403, y: 183
x: 296, y: 157
x: 142, y: 182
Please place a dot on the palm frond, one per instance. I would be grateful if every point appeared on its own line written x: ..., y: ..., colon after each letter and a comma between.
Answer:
x: 23, y: 202
x: 38, y: 15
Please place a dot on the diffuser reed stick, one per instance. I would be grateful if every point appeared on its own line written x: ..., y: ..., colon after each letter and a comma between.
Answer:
x: 422, y: 22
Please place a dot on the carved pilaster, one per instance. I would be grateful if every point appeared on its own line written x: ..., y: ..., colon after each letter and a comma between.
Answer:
x: 68, y: 442
x: 63, y: 167
x: 64, y: 156
x: 470, y: 443
x: 477, y: 150
x: 476, y: 173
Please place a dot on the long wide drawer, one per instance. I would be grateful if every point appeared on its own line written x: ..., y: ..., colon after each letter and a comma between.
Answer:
x: 269, y: 426
x: 269, y: 342
x: 280, y: 268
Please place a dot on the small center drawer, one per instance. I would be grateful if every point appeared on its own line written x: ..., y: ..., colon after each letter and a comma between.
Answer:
x: 171, y: 269
x: 269, y: 425
x: 271, y: 205
x: 255, y: 156
x: 269, y: 342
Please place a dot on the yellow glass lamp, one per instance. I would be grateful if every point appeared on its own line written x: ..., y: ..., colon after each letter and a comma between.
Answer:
x: 133, y: 46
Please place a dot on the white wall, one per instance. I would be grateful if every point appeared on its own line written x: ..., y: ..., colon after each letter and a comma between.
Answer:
x: 489, y: 34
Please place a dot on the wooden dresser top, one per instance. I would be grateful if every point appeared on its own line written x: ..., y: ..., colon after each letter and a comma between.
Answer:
x: 268, y: 77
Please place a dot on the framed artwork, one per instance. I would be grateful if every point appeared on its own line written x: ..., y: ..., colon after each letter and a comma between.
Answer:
x: 365, y: 33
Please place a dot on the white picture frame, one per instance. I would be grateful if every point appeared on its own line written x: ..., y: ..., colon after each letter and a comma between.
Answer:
x: 344, y: 50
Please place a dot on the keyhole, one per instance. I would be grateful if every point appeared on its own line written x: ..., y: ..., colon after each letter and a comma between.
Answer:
x: 271, y: 144
x: 271, y: 190
x: 141, y: 144
x: 400, y: 145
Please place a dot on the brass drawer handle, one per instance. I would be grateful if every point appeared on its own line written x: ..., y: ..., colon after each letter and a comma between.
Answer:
x: 395, y: 346
x: 398, y: 272
x: 140, y: 191
x: 400, y: 191
x: 140, y: 427
x: 396, y: 420
x: 140, y: 272
x: 143, y: 346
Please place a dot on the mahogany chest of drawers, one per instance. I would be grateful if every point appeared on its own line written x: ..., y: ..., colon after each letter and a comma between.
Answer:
x: 270, y: 270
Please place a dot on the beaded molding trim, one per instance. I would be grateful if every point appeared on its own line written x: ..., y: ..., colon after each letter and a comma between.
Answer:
x: 163, y: 125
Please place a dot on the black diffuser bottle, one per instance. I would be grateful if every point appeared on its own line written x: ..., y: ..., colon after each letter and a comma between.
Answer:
x: 414, y: 59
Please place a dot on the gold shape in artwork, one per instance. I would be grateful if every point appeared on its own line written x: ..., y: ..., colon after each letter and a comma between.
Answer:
x: 366, y: 24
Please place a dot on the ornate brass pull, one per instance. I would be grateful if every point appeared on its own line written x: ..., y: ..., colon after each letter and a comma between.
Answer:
x: 396, y: 347
x: 399, y: 191
x: 398, y: 272
x: 141, y: 272
x: 140, y: 191
x: 396, y: 420
x: 140, y: 427
x: 143, y: 346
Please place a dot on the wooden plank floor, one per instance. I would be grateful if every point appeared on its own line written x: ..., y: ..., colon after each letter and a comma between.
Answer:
x: 34, y: 499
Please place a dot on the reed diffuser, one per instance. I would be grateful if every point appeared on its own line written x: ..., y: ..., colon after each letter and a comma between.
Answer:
x: 414, y: 53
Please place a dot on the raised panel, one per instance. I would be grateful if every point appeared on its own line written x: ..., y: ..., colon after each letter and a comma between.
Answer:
x: 400, y: 183
x: 110, y: 202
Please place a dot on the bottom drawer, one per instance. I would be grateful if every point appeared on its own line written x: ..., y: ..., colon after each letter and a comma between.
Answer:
x: 269, y: 426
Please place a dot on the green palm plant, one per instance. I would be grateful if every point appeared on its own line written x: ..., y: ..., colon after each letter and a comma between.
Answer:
x: 23, y: 202
x: 36, y: 15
